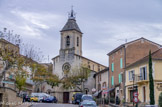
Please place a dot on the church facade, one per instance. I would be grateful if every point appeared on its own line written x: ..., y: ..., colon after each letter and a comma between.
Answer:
x: 70, y: 56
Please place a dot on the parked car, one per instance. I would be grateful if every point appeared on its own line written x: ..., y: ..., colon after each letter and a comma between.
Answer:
x: 50, y: 99
x: 40, y: 98
x: 77, y: 98
x: 88, y: 103
x: 26, y: 98
x: 34, y: 98
x: 87, y: 97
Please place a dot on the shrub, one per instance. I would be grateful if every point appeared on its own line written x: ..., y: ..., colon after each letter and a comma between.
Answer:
x: 160, y: 99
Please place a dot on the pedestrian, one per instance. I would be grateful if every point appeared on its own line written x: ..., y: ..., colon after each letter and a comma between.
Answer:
x: 24, y: 97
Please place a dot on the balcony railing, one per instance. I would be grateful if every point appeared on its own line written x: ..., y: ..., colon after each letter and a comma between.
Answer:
x: 140, y: 78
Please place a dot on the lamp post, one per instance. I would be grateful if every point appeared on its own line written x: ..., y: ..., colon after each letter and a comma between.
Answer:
x: 133, y: 86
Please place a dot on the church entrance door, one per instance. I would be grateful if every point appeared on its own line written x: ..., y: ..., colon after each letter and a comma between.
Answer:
x: 66, y: 97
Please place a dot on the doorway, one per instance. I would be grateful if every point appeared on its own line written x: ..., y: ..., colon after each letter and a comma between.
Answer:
x: 1, y: 98
x: 66, y: 97
x: 144, y: 94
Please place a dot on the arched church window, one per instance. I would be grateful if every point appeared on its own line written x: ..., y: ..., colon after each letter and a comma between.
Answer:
x: 77, y: 41
x: 68, y: 41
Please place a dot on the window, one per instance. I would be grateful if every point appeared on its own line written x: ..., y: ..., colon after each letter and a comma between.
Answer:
x: 121, y: 52
x: 98, y: 68
x: 99, y: 77
x: 112, y: 67
x: 89, y: 66
x: 120, y: 78
x: 143, y: 73
x: 112, y: 80
x: 112, y: 57
x: 131, y: 73
x: 121, y: 63
x: 68, y: 41
x: 77, y: 41
x: 104, y: 85
x: 99, y: 87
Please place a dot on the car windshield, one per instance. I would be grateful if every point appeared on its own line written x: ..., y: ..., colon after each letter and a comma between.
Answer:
x: 89, y: 104
x: 87, y: 98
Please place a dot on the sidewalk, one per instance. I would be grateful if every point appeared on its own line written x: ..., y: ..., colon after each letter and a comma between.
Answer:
x: 25, y: 105
x: 104, y: 106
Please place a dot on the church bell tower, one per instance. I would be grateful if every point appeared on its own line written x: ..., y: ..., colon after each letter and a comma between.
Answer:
x: 71, y: 39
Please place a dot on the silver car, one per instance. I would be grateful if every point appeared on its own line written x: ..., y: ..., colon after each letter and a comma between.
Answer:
x: 88, y: 103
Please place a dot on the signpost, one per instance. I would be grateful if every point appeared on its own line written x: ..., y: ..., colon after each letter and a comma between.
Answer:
x: 135, y: 97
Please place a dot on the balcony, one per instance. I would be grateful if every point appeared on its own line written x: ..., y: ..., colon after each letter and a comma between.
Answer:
x: 141, y: 79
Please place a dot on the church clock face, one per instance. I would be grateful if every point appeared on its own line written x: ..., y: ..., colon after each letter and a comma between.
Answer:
x: 66, y: 67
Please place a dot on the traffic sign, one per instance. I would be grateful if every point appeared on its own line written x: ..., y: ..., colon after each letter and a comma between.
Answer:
x: 135, y: 94
x: 135, y: 99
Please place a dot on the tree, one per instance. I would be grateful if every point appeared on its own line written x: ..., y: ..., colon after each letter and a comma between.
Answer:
x: 14, y: 63
x: 41, y: 75
x: 75, y: 77
x: 28, y: 50
x: 160, y: 99
x: 151, y: 81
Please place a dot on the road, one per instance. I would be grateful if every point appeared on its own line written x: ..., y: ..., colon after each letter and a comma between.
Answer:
x: 53, y: 105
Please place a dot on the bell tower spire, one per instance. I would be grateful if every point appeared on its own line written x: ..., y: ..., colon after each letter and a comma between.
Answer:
x: 71, y: 37
x: 72, y: 13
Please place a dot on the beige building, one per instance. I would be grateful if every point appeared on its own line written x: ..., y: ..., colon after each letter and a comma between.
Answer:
x: 123, y: 56
x: 101, y: 80
x: 70, y: 57
x: 8, y: 90
x: 141, y: 79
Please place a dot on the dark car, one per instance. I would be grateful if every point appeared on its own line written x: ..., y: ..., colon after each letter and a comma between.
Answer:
x: 50, y: 99
x: 26, y: 98
x: 77, y: 98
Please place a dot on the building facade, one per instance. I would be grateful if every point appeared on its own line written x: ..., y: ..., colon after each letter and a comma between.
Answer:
x: 70, y: 56
x: 140, y: 70
x: 123, y: 56
x: 101, y: 80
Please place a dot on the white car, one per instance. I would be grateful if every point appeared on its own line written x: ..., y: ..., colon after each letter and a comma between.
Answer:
x: 88, y: 103
x: 87, y: 97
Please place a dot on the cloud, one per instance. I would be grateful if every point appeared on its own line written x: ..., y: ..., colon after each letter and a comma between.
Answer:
x: 106, y: 24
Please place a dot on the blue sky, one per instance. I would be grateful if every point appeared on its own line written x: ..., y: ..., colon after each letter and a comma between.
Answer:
x: 105, y: 23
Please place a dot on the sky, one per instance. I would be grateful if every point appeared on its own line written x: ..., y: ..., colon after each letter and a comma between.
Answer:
x: 105, y: 24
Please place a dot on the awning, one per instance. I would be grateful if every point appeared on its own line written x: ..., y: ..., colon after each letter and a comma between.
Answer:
x: 96, y: 93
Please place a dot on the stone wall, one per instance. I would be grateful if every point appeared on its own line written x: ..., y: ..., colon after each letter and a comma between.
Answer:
x: 9, y: 97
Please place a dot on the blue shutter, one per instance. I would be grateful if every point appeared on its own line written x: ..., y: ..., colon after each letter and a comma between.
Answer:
x: 10, y: 76
x: 121, y: 63
x: 112, y: 67
x: 112, y: 80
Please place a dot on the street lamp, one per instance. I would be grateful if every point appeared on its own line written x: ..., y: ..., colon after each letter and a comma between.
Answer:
x: 133, y: 85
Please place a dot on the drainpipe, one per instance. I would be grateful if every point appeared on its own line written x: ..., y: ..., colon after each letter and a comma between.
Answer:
x: 124, y: 74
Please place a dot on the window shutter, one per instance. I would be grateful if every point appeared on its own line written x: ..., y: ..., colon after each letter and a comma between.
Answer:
x: 112, y: 80
x: 121, y: 63
x: 119, y: 78
x: 129, y: 75
x: 112, y: 67
x: 145, y: 73
x: 141, y: 74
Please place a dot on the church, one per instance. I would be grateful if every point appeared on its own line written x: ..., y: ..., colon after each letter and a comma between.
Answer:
x: 70, y: 56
